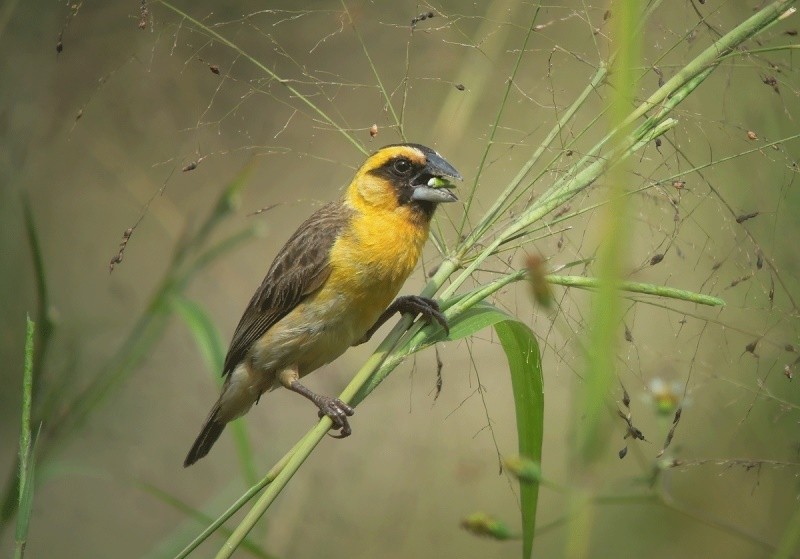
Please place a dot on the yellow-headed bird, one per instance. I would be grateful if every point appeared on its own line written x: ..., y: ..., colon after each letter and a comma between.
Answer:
x: 331, y: 285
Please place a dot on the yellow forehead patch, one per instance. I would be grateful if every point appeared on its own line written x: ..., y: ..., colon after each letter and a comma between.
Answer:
x: 384, y: 155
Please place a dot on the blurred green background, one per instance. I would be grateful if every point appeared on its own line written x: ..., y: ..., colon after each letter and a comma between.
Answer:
x: 149, y: 105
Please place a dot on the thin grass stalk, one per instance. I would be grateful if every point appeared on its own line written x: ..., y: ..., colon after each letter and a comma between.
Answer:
x: 45, y: 325
x: 500, y: 204
x: 375, y: 73
x: 192, y: 513
x: 663, y: 291
x: 496, y: 123
x: 254, y: 61
x: 544, y: 205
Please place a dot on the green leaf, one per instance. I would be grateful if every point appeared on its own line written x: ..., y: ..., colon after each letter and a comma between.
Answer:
x: 524, y: 363
x: 475, y: 319
x: 202, y: 328
x: 465, y: 322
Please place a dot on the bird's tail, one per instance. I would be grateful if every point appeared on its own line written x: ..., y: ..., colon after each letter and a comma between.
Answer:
x: 209, y: 434
x: 238, y: 395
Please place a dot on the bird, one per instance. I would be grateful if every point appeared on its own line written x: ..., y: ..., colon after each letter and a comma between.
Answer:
x: 333, y: 284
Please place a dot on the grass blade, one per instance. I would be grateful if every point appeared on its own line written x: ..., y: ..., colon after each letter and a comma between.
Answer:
x: 474, y: 319
x: 25, y: 487
x: 525, y: 366
x: 205, y: 333
x: 44, y: 329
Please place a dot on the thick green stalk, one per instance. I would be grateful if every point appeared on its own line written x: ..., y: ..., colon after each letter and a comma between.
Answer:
x: 238, y: 504
x: 606, y: 310
x: 492, y: 214
x: 542, y: 206
x: 638, y: 287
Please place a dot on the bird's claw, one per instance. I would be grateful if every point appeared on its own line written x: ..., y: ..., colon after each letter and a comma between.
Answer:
x: 338, y: 411
x: 428, y: 308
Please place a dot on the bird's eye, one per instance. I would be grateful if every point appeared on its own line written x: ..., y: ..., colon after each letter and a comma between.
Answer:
x: 402, y: 167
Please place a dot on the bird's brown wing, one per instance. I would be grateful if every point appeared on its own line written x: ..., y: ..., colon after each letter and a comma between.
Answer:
x: 299, y: 269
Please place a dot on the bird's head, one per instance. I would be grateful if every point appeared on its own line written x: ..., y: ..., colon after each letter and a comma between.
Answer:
x: 405, y: 176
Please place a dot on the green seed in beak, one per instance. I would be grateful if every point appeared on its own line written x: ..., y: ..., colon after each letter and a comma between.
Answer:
x: 438, y: 182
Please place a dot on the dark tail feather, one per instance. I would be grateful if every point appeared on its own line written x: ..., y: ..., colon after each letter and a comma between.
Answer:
x: 206, y: 439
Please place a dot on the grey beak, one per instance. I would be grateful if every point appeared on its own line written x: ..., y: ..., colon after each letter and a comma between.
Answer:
x: 437, y: 195
x: 438, y: 167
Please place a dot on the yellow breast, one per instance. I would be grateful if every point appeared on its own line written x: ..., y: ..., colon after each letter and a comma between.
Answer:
x: 373, y: 259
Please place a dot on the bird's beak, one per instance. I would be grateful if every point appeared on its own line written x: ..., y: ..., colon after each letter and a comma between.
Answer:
x: 436, y: 168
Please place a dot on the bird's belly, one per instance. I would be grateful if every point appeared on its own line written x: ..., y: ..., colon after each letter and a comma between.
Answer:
x: 316, y: 332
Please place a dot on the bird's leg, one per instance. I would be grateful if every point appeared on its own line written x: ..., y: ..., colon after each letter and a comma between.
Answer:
x: 334, y: 408
x: 412, y: 304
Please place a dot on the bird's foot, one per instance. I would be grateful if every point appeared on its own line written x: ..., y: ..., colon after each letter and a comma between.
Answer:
x: 414, y: 305
x: 338, y: 411
x: 426, y: 307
